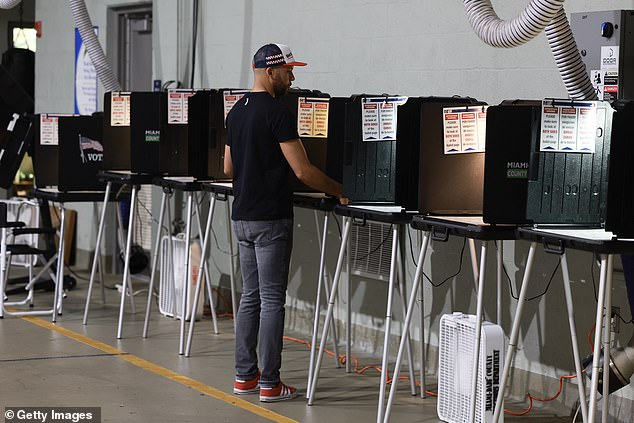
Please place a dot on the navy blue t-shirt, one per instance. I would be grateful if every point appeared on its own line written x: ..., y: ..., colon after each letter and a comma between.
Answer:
x: 256, y: 125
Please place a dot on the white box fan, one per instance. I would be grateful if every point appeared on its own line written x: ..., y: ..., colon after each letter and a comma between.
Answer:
x: 172, y: 275
x: 455, y: 368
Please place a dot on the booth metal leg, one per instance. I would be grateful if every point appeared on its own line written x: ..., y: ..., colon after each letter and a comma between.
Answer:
x: 203, y: 253
x: 3, y: 268
x: 321, y: 278
x: 406, y: 324
x: 500, y: 278
x: 474, y: 261
x: 97, y: 255
x: 325, y: 277
x: 235, y: 301
x: 204, y: 268
x: 59, y: 283
x: 400, y: 281
x: 573, y: 336
x: 185, y: 286
x: 331, y: 305
x: 478, y: 330
x: 606, y: 341
x: 155, y: 254
x: 598, y: 331
x: 508, y: 359
x: 126, y: 267
x: 348, y: 311
x: 388, y: 324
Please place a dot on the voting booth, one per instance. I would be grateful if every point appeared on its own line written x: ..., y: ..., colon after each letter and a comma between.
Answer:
x: 440, y: 155
x: 68, y: 151
x: 547, y: 162
x: 311, y: 110
x: 131, y: 130
x: 369, y: 158
x: 207, y: 113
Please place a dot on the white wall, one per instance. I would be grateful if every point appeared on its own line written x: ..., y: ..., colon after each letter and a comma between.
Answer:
x: 409, y: 47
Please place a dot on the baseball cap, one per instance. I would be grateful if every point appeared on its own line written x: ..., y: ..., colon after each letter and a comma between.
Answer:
x: 271, y: 55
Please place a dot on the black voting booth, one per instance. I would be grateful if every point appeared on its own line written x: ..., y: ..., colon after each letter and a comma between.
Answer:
x: 620, y: 210
x: 207, y: 131
x: 311, y: 110
x: 132, y: 130
x: 526, y: 181
x: 68, y: 151
x: 369, y: 159
x: 429, y: 179
x: 512, y: 138
x: 15, y: 138
x: 176, y: 157
x: 572, y: 188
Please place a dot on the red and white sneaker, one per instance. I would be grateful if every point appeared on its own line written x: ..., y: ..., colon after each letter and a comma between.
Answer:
x: 244, y: 387
x: 280, y: 392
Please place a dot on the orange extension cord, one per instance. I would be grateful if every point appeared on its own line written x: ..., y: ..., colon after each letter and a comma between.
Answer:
x: 342, y: 360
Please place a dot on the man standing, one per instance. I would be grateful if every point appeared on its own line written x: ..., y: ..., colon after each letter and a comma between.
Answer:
x: 263, y: 147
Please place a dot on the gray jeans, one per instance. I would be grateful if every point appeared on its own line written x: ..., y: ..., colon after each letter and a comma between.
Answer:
x: 265, y: 252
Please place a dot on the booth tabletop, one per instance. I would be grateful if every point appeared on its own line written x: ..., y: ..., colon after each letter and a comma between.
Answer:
x: 467, y: 226
x: 181, y: 183
x: 314, y: 201
x: 70, y: 196
x: 126, y: 177
x: 385, y: 214
x: 218, y: 187
x: 585, y: 239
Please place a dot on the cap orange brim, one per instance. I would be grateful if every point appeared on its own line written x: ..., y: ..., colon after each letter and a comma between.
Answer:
x: 295, y: 64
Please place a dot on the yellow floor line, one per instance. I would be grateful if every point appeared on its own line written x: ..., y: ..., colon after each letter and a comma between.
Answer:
x: 162, y: 371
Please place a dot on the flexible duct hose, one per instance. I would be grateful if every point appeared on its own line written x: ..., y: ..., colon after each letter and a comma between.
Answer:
x: 9, y: 4
x: 83, y: 23
x: 537, y: 16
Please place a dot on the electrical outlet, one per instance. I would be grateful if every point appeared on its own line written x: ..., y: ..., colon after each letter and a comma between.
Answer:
x: 615, y: 325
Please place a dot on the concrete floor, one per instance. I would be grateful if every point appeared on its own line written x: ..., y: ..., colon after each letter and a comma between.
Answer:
x: 145, y: 380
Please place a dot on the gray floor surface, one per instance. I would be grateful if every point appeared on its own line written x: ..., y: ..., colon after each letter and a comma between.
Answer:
x: 42, y: 367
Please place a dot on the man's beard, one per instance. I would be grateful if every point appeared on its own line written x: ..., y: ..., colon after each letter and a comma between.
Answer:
x: 280, y: 90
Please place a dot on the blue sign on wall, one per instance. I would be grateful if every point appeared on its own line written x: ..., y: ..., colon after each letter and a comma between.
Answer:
x: 85, y: 78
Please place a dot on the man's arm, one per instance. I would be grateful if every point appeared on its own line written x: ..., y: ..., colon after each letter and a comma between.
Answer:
x: 228, y: 163
x: 306, y: 172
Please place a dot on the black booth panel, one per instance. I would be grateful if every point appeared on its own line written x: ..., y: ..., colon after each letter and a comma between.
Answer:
x: 336, y: 128
x: 174, y: 150
x: 80, y: 153
x: 512, y: 136
x: 620, y: 207
x: 571, y: 188
x: 116, y: 140
x: 45, y: 158
x: 368, y: 166
x: 316, y: 148
x: 427, y: 179
x: 207, y: 134
x: 217, y: 135
x: 147, y: 111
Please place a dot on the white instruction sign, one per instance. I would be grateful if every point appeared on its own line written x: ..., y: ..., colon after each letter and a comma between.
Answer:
x: 177, y: 105
x: 568, y: 126
x: 464, y: 129
x: 231, y: 97
x: 482, y: 129
x: 312, y: 117
x: 119, y: 108
x: 49, y: 129
x: 378, y: 116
